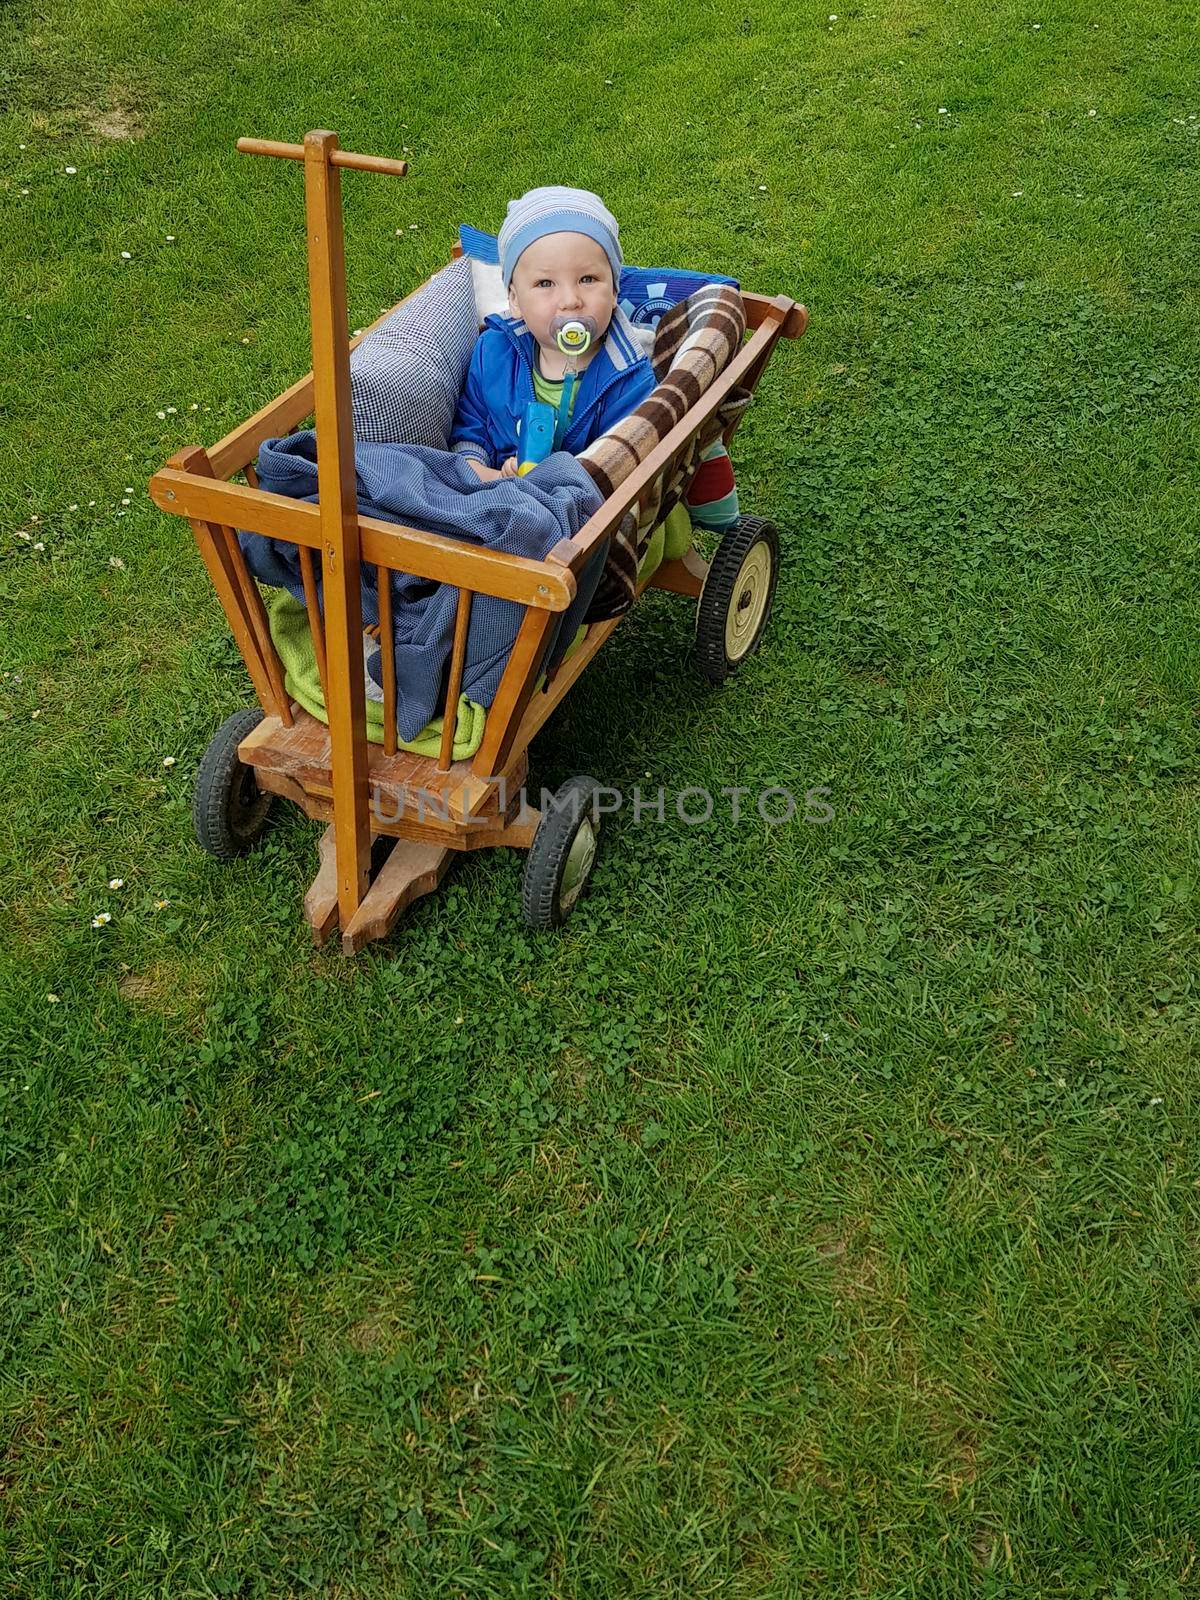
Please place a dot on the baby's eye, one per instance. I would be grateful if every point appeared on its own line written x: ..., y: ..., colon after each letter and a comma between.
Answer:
x: 544, y: 283
x: 588, y: 277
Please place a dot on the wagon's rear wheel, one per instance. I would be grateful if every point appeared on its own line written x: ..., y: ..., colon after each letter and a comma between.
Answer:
x: 229, y: 810
x: 562, y: 855
x: 735, y: 605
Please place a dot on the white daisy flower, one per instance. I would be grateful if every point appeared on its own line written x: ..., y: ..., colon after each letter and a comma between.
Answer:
x: 116, y: 883
x: 100, y: 920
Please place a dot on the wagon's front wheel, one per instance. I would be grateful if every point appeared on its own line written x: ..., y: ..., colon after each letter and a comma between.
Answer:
x: 229, y: 810
x: 562, y: 855
x: 736, y: 601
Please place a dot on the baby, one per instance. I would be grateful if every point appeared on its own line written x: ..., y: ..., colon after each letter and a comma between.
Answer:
x: 560, y: 258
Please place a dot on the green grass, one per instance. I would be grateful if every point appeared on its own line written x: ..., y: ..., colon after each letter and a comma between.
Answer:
x: 817, y: 1215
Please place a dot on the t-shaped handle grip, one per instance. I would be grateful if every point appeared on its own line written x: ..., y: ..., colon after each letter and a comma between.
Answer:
x: 338, y: 158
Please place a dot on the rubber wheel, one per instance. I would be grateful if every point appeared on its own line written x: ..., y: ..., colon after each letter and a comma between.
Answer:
x: 736, y: 601
x: 562, y: 855
x: 229, y: 809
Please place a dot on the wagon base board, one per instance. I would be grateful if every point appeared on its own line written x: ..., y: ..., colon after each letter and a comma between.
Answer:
x: 297, y: 762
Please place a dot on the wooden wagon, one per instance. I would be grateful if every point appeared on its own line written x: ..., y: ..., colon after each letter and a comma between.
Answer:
x: 395, y: 819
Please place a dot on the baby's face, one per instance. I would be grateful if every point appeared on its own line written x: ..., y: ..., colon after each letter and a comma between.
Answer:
x: 564, y: 274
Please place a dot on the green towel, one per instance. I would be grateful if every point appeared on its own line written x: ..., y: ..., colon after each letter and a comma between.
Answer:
x: 667, y: 543
x: 293, y: 640
x: 677, y: 533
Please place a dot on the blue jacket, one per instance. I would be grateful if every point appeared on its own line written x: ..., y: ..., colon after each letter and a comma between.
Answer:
x: 499, y: 386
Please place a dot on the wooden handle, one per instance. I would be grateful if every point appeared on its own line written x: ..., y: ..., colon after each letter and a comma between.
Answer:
x: 339, y: 158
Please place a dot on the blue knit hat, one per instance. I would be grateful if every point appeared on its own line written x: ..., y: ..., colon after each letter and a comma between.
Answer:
x: 557, y: 210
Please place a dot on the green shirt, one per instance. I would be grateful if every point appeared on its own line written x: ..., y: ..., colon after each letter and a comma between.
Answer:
x: 550, y: 391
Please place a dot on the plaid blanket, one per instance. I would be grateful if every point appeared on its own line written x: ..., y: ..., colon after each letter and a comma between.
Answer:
x: 694, y: 343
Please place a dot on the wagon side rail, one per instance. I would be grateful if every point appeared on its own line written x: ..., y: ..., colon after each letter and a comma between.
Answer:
x: 515, y: 714
x: 770, y: 320
x: 544, y: 587
x: 216, y: 508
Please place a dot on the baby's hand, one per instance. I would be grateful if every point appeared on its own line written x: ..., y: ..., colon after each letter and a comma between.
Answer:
x: 509, y: 469
x: 484, y: 473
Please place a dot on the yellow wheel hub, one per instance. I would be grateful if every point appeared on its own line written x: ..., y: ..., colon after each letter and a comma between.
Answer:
x: 579, y: 865
x: 750, y: 594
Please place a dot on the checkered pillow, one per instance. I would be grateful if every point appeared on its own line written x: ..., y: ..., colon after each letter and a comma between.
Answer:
x: 407, y: 375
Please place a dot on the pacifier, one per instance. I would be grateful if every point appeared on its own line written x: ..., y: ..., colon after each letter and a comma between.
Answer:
x: 573, y: 335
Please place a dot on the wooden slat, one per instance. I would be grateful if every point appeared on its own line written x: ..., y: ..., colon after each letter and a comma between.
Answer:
x: 257, y: 613
x: 345, y: 692
x: 198, y: 464
x: 480, y: 833
x: 212, y: 553
x: 513, y: 695
x: 462, y: 620
x: 279, y: 416
x: 316, y: 626
x: 303, y: 754
x: 684, y: 576
x: 387, y: 658
x: 750, y: 381
x: 251, y: 475
x: 239, y: 597
x: 545, y: 584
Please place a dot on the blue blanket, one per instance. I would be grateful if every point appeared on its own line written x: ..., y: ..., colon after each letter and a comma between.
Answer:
x: 438, y: 492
